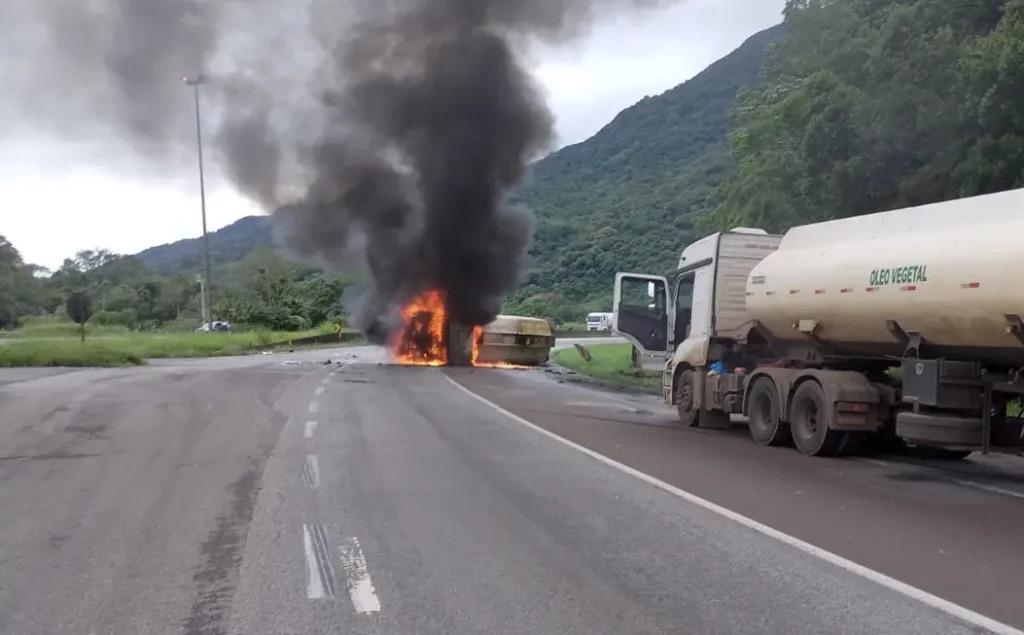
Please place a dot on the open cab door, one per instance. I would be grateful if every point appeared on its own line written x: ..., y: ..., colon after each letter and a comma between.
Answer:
x: 643, y: 314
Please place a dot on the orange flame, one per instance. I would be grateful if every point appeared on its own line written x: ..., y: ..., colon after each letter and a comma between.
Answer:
x: 422, y: 339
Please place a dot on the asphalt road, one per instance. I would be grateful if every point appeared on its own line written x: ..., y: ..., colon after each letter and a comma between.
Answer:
x: 280, y: 495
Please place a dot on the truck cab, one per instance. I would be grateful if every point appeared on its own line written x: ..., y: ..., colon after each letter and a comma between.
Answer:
x: 599, y: 322
x: 674, y: 321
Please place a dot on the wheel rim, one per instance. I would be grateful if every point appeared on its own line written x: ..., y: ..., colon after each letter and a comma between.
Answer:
x: 687, y: 415
x: 764, y: 408
x: 811, y: 417
x: 810, y: 423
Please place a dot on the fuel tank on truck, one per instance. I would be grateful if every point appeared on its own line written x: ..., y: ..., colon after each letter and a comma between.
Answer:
x: 949, y: 271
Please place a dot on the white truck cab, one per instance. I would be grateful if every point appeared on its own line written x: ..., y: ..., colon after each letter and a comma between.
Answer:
x: 672, y: 320
x: 599, y: 322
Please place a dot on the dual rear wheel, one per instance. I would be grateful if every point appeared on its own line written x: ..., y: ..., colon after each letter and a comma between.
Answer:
x: 807, y: 428
x: 809, y: 417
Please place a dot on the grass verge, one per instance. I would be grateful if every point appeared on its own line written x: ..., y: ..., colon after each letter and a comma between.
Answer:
x: 133, y: 348
x: 612, y: 365
x: 65, y: 352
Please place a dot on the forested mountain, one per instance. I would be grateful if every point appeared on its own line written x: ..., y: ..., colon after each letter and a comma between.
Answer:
x: 230, y: 244
x: 870, y: 105
x: 628, y: 198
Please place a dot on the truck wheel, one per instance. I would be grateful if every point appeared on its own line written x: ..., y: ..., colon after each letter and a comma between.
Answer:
x: 808, y: 419
x: 763, y: 408
x: 688, y: 415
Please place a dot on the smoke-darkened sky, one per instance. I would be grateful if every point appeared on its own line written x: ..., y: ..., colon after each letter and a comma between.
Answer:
x: 106, y: 187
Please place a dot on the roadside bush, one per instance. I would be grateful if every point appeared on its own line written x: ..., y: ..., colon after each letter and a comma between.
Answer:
x: 128, y: 318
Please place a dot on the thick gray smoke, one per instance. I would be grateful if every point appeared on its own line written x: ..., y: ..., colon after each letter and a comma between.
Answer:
x: 396, y: 129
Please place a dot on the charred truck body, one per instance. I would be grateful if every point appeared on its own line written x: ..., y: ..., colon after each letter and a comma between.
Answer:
x: 905, y: 323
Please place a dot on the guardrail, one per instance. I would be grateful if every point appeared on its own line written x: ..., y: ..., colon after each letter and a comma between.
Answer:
x: 580, y: 334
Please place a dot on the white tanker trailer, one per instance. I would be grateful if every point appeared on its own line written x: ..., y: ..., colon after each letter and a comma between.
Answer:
x: 907, y: 323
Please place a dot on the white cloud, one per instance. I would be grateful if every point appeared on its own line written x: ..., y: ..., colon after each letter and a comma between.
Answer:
x: 643, y: 54
x: 58, y: 199
x: 49, y: 218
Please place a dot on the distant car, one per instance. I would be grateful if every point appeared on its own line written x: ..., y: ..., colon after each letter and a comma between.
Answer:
x: 599, y: 322
x: 217, y: 326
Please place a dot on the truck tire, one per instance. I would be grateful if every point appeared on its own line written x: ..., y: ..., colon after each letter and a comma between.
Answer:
x: 763, y: 411
x: 808, y: 421
x: 688, y: 415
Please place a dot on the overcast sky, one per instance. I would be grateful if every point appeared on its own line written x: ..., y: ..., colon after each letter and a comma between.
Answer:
x: 58, y: 198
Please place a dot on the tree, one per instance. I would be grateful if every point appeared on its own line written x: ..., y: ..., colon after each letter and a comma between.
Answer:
x: 20, y: 291
x: 267, y: 289
x: 870, y: 105
x: 92, y: 259
x: 79, y: 309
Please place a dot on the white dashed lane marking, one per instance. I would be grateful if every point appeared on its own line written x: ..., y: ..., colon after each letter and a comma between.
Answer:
x: 314, y: 406
x: 310, y: 429
x: 357, y: 577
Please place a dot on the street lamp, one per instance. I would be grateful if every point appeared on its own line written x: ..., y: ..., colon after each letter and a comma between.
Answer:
x: 195, y: 81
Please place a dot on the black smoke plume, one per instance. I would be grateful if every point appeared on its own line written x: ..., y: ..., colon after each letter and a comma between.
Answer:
x: 397, y: 128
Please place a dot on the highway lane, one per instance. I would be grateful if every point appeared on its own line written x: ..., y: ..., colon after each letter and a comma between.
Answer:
x: 280, y: 495
x: 948, y: 528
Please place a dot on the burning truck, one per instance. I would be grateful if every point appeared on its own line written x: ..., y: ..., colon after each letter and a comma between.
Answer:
x: 428, y: 336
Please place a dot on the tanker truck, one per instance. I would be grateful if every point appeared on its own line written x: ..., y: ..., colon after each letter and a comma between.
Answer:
x: 903, y: 325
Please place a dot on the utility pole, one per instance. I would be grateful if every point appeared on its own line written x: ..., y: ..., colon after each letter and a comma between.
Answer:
x: 202, y: 299
x: 195, y: 81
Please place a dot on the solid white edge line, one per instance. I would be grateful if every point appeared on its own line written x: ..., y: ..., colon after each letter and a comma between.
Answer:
x: 992, y: 489
x: 934, y: 601
x: 357, y: 574
x: 313, y: 469
x: 314, y: 587
x: 314, y: 406
x: 310, y: 429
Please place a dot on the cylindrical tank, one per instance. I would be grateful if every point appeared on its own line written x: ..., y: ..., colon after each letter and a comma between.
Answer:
x: 948, y: 271
x: 515, y: 340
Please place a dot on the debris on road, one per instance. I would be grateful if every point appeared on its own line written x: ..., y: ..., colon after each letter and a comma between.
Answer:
x: 584, y: 353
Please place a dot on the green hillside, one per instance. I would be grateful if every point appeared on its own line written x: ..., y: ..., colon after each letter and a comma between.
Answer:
x: 867, y: 106
x: 227, y: 245
x: 628, y: 198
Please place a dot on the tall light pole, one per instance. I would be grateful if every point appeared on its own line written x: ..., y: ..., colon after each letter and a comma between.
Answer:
x: 195, y: 81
